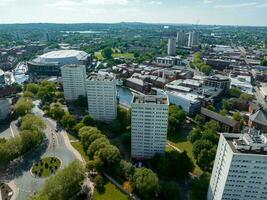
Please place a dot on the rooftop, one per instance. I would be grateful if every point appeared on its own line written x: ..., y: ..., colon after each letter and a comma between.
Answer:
x: 251, y: 141
x: 260, y: 117
x: 99, y: 77
x: 72, y: 66
x: 219, y: 117
x: 218, y: 78
x: 150, y: 99
x: 62, y: 56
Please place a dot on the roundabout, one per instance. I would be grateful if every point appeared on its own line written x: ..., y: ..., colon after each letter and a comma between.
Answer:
x: 46, y: 167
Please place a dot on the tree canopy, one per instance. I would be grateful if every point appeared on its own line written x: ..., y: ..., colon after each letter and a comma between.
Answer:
x: 23, y: 106
x: 64, y: 185
x: 145, y: 182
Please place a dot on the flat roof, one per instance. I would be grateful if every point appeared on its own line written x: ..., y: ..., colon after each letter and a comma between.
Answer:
x: 99, y: 77
x: 150, y: 99
x: 247, y: 142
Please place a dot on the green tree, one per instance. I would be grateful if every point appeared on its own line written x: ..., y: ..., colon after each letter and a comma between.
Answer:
x: 107, y: 53
x: 199, y: 187
x: 31, y: 122
x: 95, y: 165
x: 126, y: 169
x: 99, y: 183
x: 56, y: 112
x: 110, y: 155
x: 199, y: 145
x: 223, y: 112
x: 205, y: 159
x: 199, y: 119
x: 227, y: 105
x: 30, y: 139
x: 65, y: 184
x: 237, y: 116
x: 85, y: 133
x: 169, y: 191
x: 211, y: 107
x: 195, y: 135
x: 176, y: 118
x: 146, y: 183
x: 68, y: 121
x: 245, y: 96
x: 264, y: 62
x: 96, y: 145
x: 31, y: 87
x: 23, y: 106
x: 88, y: 120
x: 212, y: 125
x: 235, y: 92
x: 28, y: 94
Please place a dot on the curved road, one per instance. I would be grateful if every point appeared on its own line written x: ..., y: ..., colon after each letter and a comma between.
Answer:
x: 57, y: 145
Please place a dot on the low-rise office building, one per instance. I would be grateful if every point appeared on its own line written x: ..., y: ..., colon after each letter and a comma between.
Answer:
x: 226, y: 124
x: 190, y: 103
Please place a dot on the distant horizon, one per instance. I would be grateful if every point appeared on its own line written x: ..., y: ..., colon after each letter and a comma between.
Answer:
x: 206, y: 12
x: 132, y: 22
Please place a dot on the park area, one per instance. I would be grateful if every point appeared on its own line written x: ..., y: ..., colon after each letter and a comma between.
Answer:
x: 46, y: 166
x: 110, y: 192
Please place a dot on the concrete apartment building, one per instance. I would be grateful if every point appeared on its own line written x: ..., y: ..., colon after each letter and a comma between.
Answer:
x: 149, y: 125
x: 5, y: 108
x: 181, y: 39
x: 193, y: 39
x: 218, y: 81
x: 102, y: 97
x: 240, y: 167
x: 73, y: 79
x: 171, y: 46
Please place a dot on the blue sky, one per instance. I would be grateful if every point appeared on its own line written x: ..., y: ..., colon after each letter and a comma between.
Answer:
x: 234, y: 12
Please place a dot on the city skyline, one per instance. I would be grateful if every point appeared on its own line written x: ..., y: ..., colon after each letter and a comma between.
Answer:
x: 240, y: 12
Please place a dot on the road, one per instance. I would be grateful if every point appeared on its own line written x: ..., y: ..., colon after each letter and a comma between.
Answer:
x: 57, y: 145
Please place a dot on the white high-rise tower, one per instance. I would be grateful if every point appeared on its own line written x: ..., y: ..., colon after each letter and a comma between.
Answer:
x: 149, y: 125
x: 73, y: 78
x: 181, y: 39
x: 172, y: 46
x: 102, y: 97
x: 193, y: 39
x: 240, y: 167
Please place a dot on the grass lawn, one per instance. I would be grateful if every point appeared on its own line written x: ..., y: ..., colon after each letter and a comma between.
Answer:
x: 78, y: 146
x: 123, y: 55
x: 46, y: 166
x: 72, y: 137
x: 99, y: 56
x: 187, y: 146
x: 111, y: 193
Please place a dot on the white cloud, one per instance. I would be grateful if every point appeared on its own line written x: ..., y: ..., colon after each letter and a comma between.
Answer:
x: 155, y: 2
x: 240, y: 5
x: 207, y: 1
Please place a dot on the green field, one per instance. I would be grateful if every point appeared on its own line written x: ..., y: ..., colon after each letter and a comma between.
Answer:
x: 111, y: 193
x: 78, y: 146
x: 187, y: 146
x: 46, y: 166
x: 123, y: 55
x: 99, y: 56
